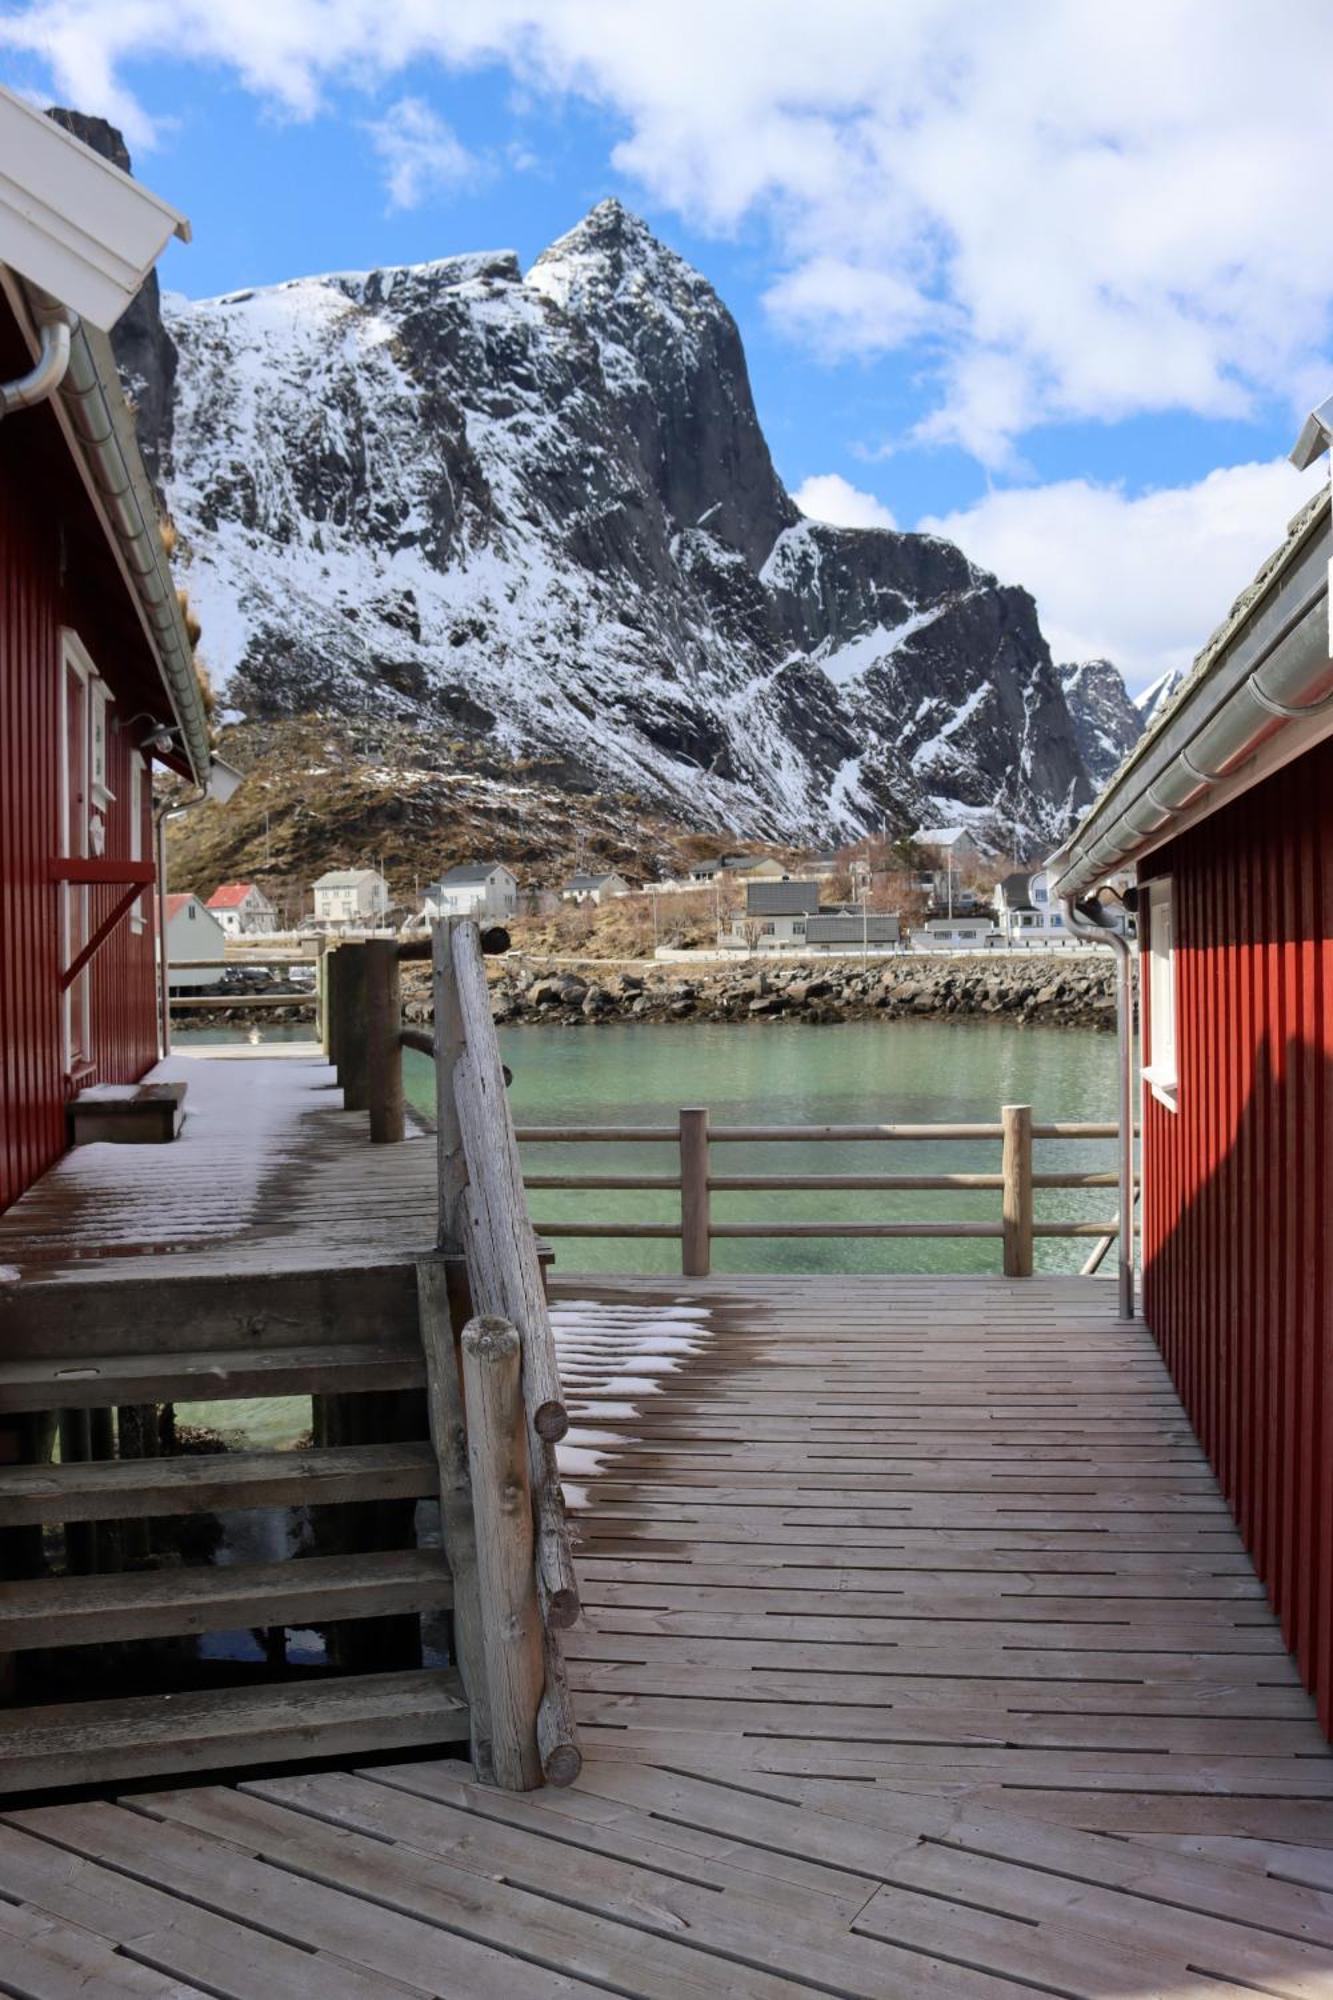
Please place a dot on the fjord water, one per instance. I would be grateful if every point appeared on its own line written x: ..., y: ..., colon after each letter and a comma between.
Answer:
x: 797, y: 1073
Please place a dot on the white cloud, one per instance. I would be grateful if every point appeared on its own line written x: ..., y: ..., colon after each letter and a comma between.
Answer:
x: 1083, y: 211
x: 1139, y: 581
x: 419, y: 153
x: 827, y: 496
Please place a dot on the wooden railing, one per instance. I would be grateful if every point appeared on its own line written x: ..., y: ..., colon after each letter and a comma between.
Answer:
x: 496, y: 1408
x: 1016, y: 1181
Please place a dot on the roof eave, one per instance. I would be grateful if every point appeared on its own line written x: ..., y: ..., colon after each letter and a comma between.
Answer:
x: 1258, y: 695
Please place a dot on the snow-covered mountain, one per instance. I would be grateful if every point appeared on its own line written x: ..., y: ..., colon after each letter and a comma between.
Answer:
x: 538, y: 509
x: 1159, y: 694
x: 1107, y: 725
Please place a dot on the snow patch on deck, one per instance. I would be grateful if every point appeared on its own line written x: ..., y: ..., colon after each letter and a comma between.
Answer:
x: 612, y: 1359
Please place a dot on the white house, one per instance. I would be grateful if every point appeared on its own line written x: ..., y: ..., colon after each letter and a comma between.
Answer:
x: 473, y: 889
x: 355, y: 898
x: 958, y: 933
x: 1026, y: 913
x: 776, y: 917
x: 593, y: 888
x: 243, y: 910
x: 193, y: 934
x: 951, y: 850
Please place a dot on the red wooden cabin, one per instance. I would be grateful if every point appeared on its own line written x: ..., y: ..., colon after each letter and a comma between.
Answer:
x: 96, y: 675
x: 1225, y: 811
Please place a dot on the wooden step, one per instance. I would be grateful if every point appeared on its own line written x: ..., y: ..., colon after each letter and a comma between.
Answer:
x: 209, y: 1375
x: 134, y: 1489
x: 98, y: 1742
x: 154, y: 1604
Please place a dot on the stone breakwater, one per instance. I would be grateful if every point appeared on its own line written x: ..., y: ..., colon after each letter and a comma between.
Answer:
x: 1062, y: 991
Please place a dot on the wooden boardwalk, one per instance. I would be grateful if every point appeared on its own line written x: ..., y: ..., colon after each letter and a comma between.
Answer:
x: 920, y: 1657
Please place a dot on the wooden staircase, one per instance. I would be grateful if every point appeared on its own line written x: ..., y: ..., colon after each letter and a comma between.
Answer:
x: 345, y: 1339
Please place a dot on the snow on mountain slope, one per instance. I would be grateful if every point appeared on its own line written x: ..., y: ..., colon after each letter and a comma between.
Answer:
x: 541, y: 510
x: 1159, y: 694
x: 1107, y: 724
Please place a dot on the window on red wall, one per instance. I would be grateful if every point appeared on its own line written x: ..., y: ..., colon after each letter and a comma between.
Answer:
x: 1161, y: 1071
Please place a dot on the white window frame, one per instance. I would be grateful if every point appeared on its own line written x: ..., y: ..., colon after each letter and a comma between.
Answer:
x: 1161, y: 1071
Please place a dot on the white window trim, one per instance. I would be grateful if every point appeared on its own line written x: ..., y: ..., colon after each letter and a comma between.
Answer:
x: 1161, y: 1071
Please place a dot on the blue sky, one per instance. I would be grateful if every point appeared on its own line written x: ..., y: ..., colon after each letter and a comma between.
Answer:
x: 1048, y: 287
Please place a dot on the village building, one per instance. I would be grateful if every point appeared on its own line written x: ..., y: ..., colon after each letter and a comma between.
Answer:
x: 957, y: 933
x: 589, y: 888
x: 196, y: 941
x: 97, y: 679
x: 851, y: 929
x: 1025, y: 913
x: 243, y: 910
x: 1224, y: 809
x: 351, y: 899
x: 775, y: 918
x: 951, y: 852
x: 473, y: 889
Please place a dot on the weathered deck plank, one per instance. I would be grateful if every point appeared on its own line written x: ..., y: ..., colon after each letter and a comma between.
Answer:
x: 920, y: 1656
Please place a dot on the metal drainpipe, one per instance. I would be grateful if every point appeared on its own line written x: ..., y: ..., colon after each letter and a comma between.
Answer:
x: 1085, y: 926
x: 48, y: 371
x: 163, y: 970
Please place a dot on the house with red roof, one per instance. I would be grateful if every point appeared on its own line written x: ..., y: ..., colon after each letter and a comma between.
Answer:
x: 243, y: 910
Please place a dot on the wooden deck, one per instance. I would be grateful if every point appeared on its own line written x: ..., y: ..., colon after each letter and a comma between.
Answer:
x: 920, y: 1656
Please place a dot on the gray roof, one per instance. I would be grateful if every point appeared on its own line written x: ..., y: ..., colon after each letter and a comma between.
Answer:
x: 1016, y: 891
x: 593, y: 881
x: 781, y: 899
x: 880, y: 927
x: 471, y: 871
x: 347, y: 878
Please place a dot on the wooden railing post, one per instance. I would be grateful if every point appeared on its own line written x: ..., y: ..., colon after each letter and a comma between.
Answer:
x: 353, y: 1055
x: 695, y: 1231
x: 1016, y: 1168
x: 512, y: 1639
x: 333, y: 1001
x: 388, y: 1117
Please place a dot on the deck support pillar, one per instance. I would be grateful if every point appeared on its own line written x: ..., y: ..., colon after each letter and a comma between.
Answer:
x: 353, y: 1051
x: 513, y: 1643
x: 388, y: 1117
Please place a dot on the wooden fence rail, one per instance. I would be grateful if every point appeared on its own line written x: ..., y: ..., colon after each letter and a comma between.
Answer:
x: 1016, y: 1181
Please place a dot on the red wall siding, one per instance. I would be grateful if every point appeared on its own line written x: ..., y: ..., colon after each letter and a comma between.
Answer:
x: 1238, y: 1208
x: 34, y: 603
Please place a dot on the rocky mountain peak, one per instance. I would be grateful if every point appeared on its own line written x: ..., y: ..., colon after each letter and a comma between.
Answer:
x: 538, y: 514
x: 1107, y: 724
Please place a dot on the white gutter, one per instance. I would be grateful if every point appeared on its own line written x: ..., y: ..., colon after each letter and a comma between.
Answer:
x: 47, y: 373
x: 1088, y: 924
x: 104, y: 432
x: 1268, y: 672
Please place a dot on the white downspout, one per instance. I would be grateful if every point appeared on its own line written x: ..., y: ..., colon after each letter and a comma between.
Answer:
x: 48, y: 370
x: 1084, y: 925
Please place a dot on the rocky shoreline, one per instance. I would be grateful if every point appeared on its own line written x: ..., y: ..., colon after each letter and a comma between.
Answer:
x: 1064, y: 991
x: 1058, y: 991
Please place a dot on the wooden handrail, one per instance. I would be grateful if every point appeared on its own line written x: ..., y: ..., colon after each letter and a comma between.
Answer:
x: 725, y: 1135
x: 1016, y: 1182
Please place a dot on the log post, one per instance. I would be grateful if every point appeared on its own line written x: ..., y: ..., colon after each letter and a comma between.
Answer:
x: 1016, y: 1168
x: 512, y: 1638
x: 388, y: 1118
x: 451, y: 1167
x: 334, y: 966
x: 353, y: 1032
x: 322, y: 992
x: 695, y: 1233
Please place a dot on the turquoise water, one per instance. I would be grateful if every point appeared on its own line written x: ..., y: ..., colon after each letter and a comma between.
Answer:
x: 851, y: 1072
